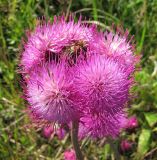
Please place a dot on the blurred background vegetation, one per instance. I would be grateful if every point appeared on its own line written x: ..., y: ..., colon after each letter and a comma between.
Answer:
x: 17, y: 140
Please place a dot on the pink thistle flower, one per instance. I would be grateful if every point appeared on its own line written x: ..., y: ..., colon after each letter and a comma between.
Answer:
x: 132, y: 123
x: 47, y: 131
x: 104, y: 84
x: 69, y: 155
x: 99, y: 125
x: 51, y: 95
x: 72, y: 72
x: 117, y: 45
x: 125, y: 146
x: 50, y: 41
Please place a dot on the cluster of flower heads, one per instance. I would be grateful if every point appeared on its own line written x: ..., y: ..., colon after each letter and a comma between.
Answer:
x: 74, y: 72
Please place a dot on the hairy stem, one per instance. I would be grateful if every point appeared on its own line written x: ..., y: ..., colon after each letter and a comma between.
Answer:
x: 74, y: 137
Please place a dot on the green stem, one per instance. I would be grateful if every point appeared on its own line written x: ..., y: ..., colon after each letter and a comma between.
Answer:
x: 74, y: 137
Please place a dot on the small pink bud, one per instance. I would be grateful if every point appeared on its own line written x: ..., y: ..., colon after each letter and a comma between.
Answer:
x: 60, y: 133
x: 47, y: 132
x: 69, y: 155
x: 125, y: 146
x: 132, y: 123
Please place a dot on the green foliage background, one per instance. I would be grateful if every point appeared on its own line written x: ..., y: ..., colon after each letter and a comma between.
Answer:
x: 17, y: 140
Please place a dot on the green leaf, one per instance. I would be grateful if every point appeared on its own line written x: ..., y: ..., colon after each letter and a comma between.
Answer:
x: 143, y: 142
x: 151, y: 118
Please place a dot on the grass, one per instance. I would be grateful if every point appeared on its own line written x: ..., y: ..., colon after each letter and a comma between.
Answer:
x: 18, y: 141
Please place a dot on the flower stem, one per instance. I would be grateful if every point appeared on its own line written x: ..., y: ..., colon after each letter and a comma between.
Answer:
x: 74, y: 137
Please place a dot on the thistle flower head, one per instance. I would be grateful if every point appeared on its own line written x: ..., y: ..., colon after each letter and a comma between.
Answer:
x: 103, y: 83
x: 54, y: 41
x: 117, y: 44
x: 99, y: 125
x: 50, y: 93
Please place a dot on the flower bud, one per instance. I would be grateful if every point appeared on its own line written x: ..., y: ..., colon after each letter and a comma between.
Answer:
x: 125, y: 146
x: 69, y: 155
x: 47, y: 132
x: 132, y: 123
x: 60, y: 133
